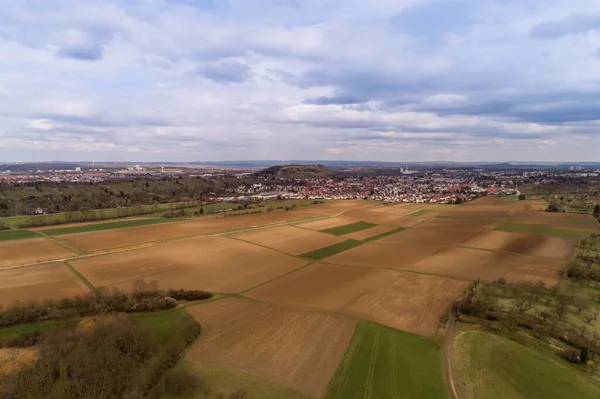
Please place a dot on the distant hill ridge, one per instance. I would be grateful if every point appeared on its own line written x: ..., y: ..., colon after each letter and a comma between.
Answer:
x: 297, y: 171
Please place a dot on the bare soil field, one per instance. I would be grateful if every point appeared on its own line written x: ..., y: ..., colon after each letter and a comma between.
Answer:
x: 550, y: 247
x: 324, y: 224
x: 23, y: 252
x: 390, y: 256
x: 473, y: 223
x: 579, y: 224
x: 368, y: 233
x: 297, y: 348
x: 483, y: 201
x: 470, y: 212
x: 217, y: 264
x: 407, y: 301
x: 52, y: 281
x: 131, y: 236
x: 288, y: 239
x: 436, y: 237
x: 77, y: 224
x: 489, y: 266
x: 554, y: 215
x: 335, y: 207
x: 371, y: 216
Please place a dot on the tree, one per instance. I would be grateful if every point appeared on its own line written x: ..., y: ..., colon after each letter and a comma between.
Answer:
x: 522, y: 304
x: 580, y: 306
x: 522, y: 197
x: 584, y: 355
x: 596, y: 211
x: 201, y: 210
x: 560, y: 307
x: 553, y: 207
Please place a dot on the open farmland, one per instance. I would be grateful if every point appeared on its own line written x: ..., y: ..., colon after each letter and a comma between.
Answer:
x: 52, y: 281
x: 384, y: 363
x: 406, y: 301
x: 102, y: 240
x: 218, y: 264
x: 288, y: 239
x: 36, y: 250
x: 550, y: 247
x: 297, y: 283
x: 486, y: 265
x: 454, y: 223
x: 489, y: 366
x: 296, y: 348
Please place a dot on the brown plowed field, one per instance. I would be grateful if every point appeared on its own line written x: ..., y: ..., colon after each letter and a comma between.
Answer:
x: 78, y: 224
x: 217, y: 264
x: 488, y: 265
x: 131, y: 236
x: 367, y: 215
x: 368, y: 233
x: 552, y: 215
x: 407, y: 301
x: 288, y: 239
x: 390, y: 256
x: 579, y: 224
x: 335, y: 207
x: 296, y: 348
x: 324, y: 224
x: 52, y: 281
x: 435, y: 237
x: 550, y: 247
x: 468, y: 212
x: 23, y: 252
x: 473, y: 223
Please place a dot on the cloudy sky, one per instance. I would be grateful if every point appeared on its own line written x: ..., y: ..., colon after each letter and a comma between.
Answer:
x: 393, y: 80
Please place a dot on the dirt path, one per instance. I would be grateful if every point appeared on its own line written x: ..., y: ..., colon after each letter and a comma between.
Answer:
x: 450, y: 335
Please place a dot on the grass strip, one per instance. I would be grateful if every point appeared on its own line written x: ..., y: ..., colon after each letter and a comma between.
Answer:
x: 81, y: 277
x: 105, y: 226
x: 538, y: 229
x: 349, y: 228
x: 420, y: 213
x: 335, y: 249
x: 472, y: 217
x: 331, y: 250
x: 10, y: 235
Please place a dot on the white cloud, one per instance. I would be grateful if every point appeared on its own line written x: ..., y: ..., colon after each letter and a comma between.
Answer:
x: 164, y: 80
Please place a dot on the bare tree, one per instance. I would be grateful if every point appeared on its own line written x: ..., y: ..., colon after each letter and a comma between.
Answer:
x: 560, y: 307
x: 522, y: 304
x: 580, y: 306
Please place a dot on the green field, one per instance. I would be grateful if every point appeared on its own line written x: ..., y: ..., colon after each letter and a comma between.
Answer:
x: 163, y: 324
x: 539, y: 229
x: 9, y: 235
x: 344, y: 246
x: 223, y: 381
x: 420, y: 213
x: 384, y: 363
x: 331, y: 250
x: 349, y: 228
x: 490, y: 366
x: 105, y: 226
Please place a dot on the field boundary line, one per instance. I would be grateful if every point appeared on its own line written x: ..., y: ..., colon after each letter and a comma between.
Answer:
x: 275, y: 278
x: 399, y: 271
x: 81, y: 277
x: 141, y: 246
x: 70, y: 247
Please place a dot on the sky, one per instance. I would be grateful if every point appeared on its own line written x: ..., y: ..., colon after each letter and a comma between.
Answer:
x: 381, y: 80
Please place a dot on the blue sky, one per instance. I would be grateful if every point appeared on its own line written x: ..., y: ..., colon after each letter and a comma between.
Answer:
x: 390, y: 80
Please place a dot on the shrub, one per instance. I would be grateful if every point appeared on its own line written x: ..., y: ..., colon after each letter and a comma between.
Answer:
x: 182, y: 382
x: 571, y: 356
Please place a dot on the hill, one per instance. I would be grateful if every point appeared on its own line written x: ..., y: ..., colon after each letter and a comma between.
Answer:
x: 297, y: 171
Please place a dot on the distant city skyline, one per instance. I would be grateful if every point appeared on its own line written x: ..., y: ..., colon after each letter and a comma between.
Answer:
x: 230, y: 80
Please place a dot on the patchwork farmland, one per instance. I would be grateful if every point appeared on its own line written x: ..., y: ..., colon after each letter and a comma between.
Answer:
x: 309, y: 299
